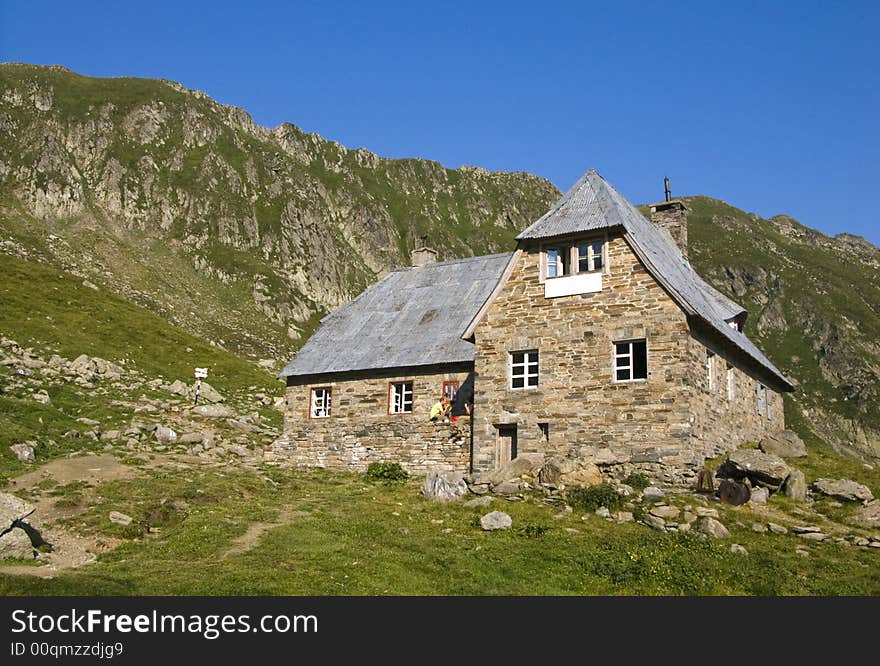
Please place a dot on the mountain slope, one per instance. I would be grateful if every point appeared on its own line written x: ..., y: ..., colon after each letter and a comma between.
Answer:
x: 238, y: 233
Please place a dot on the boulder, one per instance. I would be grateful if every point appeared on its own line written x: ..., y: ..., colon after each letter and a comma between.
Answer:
x: 42, y: 397
x: 192, y: 438
x: 737, y: 549
x: 711, y: 527
x: 16, y: 544
x: 652, y: 493
x: 666, y: 512
x: 777, y: 529
x: 213, y: 411
x: 178, y: 388
x: 655, y: 523
x: 867, y: 515
x: 12, y: 509
x: 759, y: 496
x: 24, y: 452
x: 587, y: 474
x: 509, y: 487
x: 444, y: 486
x: 496, y: 520
x: 165, y: 435
x: 569, y: 471
x: 209, y: 394
x: 795, y: 486
x: 478, y: 502
x: 760, y: 468
x: 785, y: 444
x: 843, y: 489
x: 524, y: 463
x: 120, y: 518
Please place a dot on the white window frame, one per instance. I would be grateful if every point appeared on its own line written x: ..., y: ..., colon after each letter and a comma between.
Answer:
x: 320, y: 402
x: 731, y: 383
x: 572, y: 249
x: 767, y: 402
x: 631, y: 361
x: 710, y: 369
x: 523, y: 370
x: 591, y: 255
x: 400, y: 396
x: 759, y: 397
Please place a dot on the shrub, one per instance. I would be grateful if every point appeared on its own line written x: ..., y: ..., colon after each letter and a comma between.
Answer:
x: 592, y: 497
x: 533, y: 530
x: 386, y: 471
x: 637, y: 481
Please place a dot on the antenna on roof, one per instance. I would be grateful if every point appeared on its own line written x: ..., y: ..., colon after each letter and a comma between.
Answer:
x: 666, y: 187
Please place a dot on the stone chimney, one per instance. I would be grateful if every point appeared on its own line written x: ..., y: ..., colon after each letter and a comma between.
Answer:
x: 422, y: 255
x: 671, y: 216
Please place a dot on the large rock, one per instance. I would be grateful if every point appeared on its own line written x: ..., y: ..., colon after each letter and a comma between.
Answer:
x: 179, y: 388
x: 760, y: 468
x: 213, y: 411
x: 208, y: 393
x: 496, y: 520
x: 570, y: 472
x: 444, y: 487
x: 16, y: 544
x: 524, y: 463
x: 785, y: 444
x: 24, y: 452
x: 795, y: 486
x: 867, y: 516
x: 165, y: 435
x: 11, y: 509
x: 843, y: 489
x: 712, y: 528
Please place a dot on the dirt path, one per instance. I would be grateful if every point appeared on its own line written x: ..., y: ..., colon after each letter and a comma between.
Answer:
x: 69, y: 550
x: 255, y: 532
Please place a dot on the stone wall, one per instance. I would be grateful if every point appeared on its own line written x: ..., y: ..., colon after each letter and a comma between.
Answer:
x: 360, y: 430
x: 587, y: 413
x: 723, y: 420
x: 671, y: 419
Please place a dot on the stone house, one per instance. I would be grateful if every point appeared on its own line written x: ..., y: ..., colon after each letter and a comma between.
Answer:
x: 595, y: 339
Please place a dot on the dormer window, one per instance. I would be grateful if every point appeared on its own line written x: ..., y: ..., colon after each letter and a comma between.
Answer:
x: 574, y: 258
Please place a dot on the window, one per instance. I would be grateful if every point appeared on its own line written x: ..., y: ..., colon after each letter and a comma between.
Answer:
x: 710, y: 369
x: 590, y: 256
x: 767, y: 401
x: 584, y: 257
x: 545, y: 431
x: 524, y: 369
x: 559, y: 261
x: 400, y: 398
x: 450, y: 390
x: 630, y: 360
x: 731, y: 382
x: 759, y: 398
x: 320, y: 404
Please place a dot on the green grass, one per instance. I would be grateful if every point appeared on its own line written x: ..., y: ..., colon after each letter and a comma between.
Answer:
x: 361, y: 538
x: 49, y: 309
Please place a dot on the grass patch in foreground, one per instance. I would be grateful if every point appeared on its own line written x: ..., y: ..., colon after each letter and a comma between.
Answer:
x: 236, y: 533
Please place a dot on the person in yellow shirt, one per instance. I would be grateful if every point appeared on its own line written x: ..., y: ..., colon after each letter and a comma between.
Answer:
x: 441, y: 409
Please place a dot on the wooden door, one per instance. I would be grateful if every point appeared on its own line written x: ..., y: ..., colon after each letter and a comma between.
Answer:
x: 505, y: 449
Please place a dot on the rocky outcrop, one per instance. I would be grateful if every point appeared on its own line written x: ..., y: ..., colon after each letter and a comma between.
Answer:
x: 263, y: 229
x: 759, y: 468
x: 843, y: 489
x: 785, y: 444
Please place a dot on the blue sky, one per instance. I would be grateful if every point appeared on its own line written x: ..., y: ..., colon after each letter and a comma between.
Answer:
x: 771, y: 106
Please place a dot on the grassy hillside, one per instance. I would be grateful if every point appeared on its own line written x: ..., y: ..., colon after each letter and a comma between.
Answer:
x: 241, y: 234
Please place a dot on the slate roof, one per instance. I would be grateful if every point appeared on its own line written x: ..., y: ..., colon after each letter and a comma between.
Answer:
x: 411, y: 317
x: 593, y: 204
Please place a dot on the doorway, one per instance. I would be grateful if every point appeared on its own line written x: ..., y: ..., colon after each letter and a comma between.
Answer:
x: 505, y: 448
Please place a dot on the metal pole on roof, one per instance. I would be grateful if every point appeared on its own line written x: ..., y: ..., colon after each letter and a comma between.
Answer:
x: 666, y: 187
